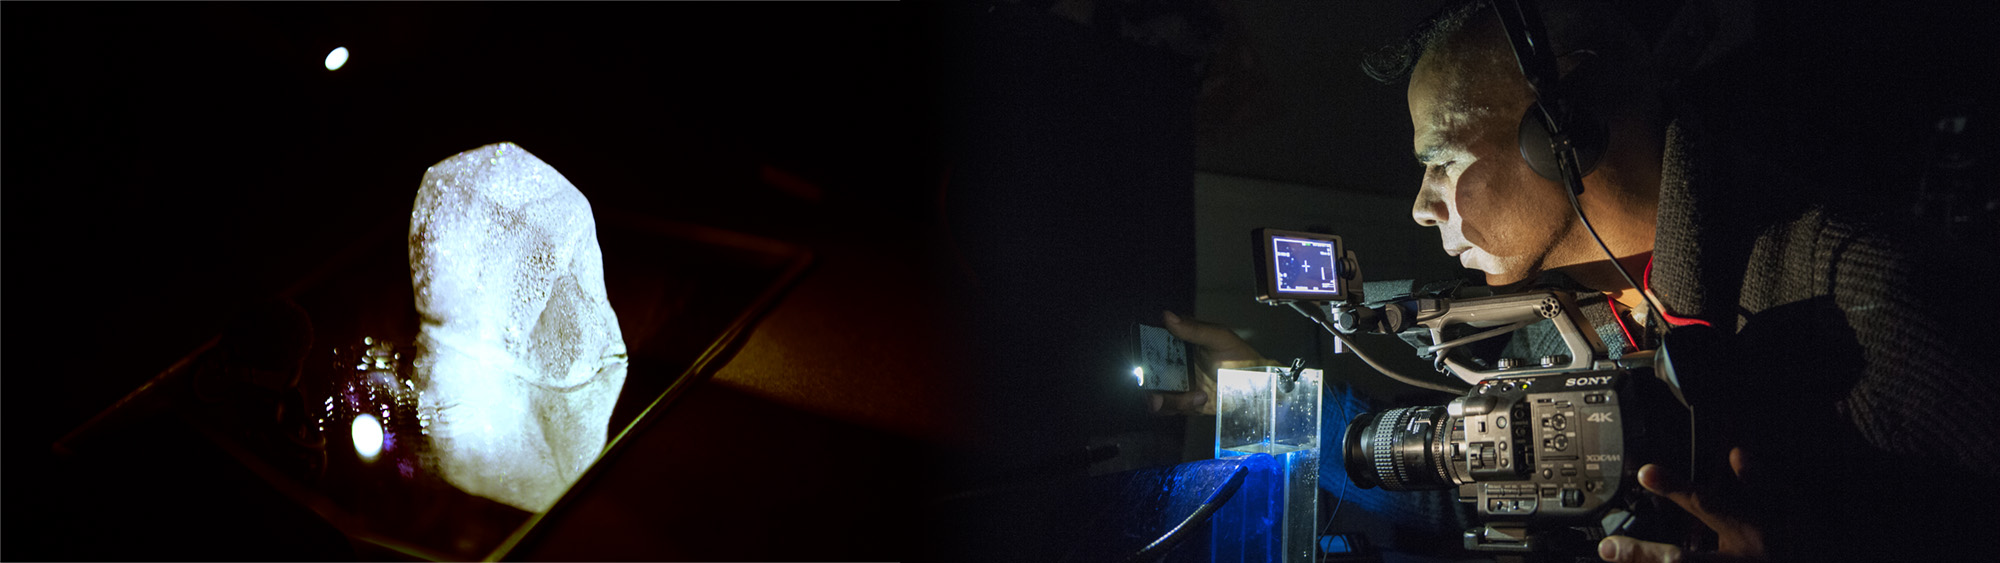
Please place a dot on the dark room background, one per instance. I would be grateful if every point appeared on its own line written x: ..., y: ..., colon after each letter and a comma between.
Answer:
x: 993, y: 192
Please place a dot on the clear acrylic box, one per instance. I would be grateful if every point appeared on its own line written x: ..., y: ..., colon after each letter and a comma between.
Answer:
x: 1271, y: 411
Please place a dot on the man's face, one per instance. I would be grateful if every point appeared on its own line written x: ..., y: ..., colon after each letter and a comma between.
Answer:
x: 1493, y: 212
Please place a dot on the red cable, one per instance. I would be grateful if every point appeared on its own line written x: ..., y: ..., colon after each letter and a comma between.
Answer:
x: 1620, y: 317
x: 1647, y: 280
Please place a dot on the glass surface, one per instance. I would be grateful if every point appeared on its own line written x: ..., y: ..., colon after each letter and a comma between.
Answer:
x: 1267, y: 410
x: 1259, y: 411
x: 355, y: 452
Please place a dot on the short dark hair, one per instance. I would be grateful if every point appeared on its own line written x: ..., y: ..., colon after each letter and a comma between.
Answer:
x: 1623, y: 69
x: 1393, y: 62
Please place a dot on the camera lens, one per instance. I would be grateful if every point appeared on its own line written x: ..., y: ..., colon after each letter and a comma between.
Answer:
x: 1398, y: 449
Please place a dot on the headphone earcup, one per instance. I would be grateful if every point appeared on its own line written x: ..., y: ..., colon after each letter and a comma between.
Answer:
x: 1588, y: 136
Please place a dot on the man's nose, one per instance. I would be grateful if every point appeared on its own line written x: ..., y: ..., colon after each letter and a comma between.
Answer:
x: 1429, y: 209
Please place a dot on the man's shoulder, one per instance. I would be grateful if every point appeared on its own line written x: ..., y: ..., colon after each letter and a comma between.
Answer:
x: 1820, y: 251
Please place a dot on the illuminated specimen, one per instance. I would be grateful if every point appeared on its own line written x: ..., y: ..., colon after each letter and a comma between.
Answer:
x: 519, y: 356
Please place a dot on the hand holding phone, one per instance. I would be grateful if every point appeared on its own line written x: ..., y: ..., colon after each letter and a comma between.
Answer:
x: 1209, y: 347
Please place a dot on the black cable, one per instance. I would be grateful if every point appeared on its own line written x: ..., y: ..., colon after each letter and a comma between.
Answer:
x: 1523, y: 25
x: 1173, y: 537
x: 1334, y: 514
x: 1655, y: 307
x: 1358, y: 352
x: 1441, y: 347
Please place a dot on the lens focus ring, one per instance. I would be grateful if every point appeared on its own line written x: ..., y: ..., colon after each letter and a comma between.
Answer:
x: 1387, y: 467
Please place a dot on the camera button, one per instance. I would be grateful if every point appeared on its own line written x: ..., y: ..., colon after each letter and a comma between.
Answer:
x: 1572, y: 498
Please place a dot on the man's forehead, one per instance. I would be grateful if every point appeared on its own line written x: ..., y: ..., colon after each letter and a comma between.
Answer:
x: 1460, y: 88
x: 1441, y: 109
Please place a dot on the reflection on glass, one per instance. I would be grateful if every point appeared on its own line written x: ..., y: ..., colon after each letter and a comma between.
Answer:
x: 367, y: 434
x: 336, y: 59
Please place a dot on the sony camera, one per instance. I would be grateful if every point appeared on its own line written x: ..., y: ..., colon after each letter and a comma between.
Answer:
x: 1530, y: 453
x: 1546, y: 449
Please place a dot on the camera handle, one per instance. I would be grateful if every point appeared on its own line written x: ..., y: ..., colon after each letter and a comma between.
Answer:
x: 1511, y: 312
x: 1501, y: 313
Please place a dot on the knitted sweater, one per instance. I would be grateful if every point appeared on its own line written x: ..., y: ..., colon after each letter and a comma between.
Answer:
x: 1877, y: 321
x: 1844, y: 356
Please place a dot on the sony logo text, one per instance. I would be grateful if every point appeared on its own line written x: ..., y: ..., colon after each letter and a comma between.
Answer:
x: 1575, y: 381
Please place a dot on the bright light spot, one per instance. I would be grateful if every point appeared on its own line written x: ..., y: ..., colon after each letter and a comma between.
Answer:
x: 1140, y: 372
x: 336, y: 58
x: 367, y: 436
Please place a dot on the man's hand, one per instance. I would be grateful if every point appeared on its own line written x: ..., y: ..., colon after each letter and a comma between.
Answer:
x: 1215, y: 347
x: 1737, y: 540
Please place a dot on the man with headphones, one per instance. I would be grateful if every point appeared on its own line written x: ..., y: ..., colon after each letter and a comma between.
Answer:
x: 1829, y: 360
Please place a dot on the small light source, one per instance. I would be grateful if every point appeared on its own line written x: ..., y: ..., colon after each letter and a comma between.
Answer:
x: 367, y: 436
x: 1140, y: 372
x: 335, y: 59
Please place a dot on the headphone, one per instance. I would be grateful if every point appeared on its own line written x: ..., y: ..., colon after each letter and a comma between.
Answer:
x: 1560, y: 140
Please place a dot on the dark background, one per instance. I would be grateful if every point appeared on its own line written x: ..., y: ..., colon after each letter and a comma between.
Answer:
x: 981, y: 182
x: 168, y: 163
x: 973, y: 184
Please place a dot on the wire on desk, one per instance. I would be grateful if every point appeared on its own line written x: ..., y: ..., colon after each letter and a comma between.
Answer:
x: 1160, y: 547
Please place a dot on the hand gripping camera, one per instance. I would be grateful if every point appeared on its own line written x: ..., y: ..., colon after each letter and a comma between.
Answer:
x: 1546, y: 450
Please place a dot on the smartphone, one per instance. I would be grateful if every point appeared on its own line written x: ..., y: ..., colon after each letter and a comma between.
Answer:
x: 1159, y: 361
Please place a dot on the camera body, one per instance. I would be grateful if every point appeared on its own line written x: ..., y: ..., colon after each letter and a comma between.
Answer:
x: 1542, y: 448
x: 1545, y: 449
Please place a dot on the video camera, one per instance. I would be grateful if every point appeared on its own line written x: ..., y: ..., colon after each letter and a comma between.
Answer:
x: 1546, y: 449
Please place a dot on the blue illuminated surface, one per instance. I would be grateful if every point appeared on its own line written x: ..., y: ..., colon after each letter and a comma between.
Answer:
x: 1341, y: 405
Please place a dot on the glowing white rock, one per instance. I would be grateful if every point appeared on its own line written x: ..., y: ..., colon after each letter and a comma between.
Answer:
x: 519, y: 352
